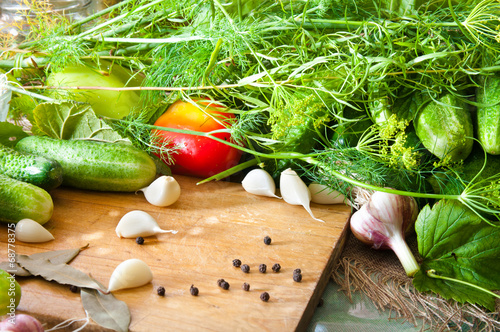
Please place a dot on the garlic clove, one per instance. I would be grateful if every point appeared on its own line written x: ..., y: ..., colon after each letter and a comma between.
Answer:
x: 163, y: 191
x: 294, y: 191
x: 28, y: 230
x: 129, y: 274
x: 321, y: 194
x: 259, y: 182
x: 139, y: 223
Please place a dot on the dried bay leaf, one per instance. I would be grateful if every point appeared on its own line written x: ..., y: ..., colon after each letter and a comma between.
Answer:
x: 61, y: 273
x: 55, y: 257
x: 106, y: 310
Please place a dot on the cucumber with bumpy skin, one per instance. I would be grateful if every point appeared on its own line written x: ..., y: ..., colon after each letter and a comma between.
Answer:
x: 40, y: 171
x: 445, y: 128
x: 488, y: 114
x: 20, y: 200
x: 94, y: 165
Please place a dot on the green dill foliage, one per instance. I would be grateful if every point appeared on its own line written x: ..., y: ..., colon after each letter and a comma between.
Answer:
x: 290, y: 70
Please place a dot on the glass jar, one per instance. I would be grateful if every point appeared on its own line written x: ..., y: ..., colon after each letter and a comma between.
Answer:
x: 14, y: 13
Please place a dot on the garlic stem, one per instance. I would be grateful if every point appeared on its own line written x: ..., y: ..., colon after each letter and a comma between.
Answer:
x: 401, y: 249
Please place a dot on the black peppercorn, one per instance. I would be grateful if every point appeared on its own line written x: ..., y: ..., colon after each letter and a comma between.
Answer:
x: 161, y: 291
x: 236, y: 262
x: 297, y: 271
x: 193, y: 290
x: 267, y: 240
x: 245, y: 268
x: 276, y: 267
x: 297, y: 277
x: 74, y: 289
x: 219, y: 282
x: 246, y: 287
x: 224, y: 285
x: 262, y: 268
x: 264, y: 296
x: 139, y: 240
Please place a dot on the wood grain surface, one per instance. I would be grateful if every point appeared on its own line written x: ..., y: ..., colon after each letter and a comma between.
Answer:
x: 216, y: 223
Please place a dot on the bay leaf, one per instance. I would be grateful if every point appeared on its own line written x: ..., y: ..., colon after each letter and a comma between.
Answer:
x: 14, y: 268
x: 61, y: 273
x: 54, y: 256
x: 106, y: 310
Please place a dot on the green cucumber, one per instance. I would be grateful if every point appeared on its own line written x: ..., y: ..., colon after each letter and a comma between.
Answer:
x: 488, y: 114
x: 445, y: 128
x: 95, y: 165
x: 20, y: 200
x: 40, y: 171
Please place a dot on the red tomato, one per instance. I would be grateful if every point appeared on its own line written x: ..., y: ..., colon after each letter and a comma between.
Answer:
x: 196, y: 155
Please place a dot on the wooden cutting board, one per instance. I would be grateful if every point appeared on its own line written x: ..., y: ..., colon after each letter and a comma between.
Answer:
x: 216, y: 223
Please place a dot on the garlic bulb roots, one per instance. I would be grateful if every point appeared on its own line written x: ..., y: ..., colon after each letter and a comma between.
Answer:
x: 28, y: 230
x: 294, y: 191
x: 139, y: 223
x: 129, y: 274
x: 259, y: 182
x: 163, y: 191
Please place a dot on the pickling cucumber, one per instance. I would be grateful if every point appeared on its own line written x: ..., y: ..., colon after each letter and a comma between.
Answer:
x: 95, y: 165
x: 20, y: 200
x: 40, y: 171
x: 445, y: 128
x: 488, y: 114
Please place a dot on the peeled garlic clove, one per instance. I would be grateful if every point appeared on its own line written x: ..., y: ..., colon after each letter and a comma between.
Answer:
x: 321, y: 194
x: 163, y: 191
x: 259, y: 182
x: 28, y: 230
x: 294, y: 191
x: 138, y: 223
x: 129, y: 274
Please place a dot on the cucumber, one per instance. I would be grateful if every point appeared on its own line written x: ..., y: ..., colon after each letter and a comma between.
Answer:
x: 40, y: 171
x: 94, y: 165
x: 445, y: 128
x: 20, y: 200
x: 488, y: 117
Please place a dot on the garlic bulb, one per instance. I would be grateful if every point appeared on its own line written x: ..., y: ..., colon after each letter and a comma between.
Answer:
x: 129, y: 274
x: 138, y: 223
x: 163, y: 191
x: 321, y: 194
x: 28, y: 230
x: 383, y: 223
x: 294, y: 191
x: 259, y: 182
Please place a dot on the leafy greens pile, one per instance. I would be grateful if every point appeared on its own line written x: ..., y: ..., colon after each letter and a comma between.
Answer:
x: 310, y: 82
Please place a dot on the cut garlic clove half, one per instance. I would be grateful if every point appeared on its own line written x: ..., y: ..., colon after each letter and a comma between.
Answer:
x: 129, y: 274
x: 294, y: 191
x: 163, y: 191
x: 28, y: 230
x: 321, y: 194
x: 139, y: 223
x: 259, y: 182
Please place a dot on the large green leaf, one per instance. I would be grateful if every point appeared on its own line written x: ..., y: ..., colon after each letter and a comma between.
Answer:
x: 455, y: 243
x: 10, y: 134
x: 68, y: 120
